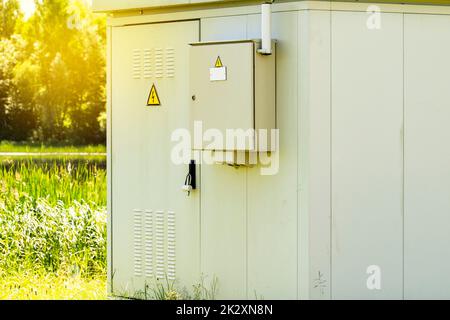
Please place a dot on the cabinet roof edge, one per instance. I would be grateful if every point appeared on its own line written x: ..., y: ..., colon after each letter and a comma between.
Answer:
x: 124, y: 5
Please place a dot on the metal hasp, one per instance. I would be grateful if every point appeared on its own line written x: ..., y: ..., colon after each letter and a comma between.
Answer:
x: 190, y: 181
x: 193, y: 174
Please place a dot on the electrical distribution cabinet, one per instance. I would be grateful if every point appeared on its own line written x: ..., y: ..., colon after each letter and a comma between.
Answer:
x: 360, y: 186
x: 233, y: 91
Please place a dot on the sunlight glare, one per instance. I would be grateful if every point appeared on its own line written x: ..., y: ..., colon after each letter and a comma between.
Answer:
x: 28, y: 8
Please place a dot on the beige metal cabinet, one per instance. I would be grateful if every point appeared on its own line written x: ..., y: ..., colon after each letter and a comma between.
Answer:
x: 427, y: 157
x: 362, y: 180
x: 155, y: 228
x: 367, y: 155
x: 233, y: 90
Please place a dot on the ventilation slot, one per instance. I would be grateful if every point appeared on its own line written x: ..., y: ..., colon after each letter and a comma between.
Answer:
x: 137, y: 66
x: 148, y: 240
x: 160, y: 270
x: 171, y: 242
x: 147, y: 63
x: 137, y: 247
x: 170, y: 63
x: 159, y: 63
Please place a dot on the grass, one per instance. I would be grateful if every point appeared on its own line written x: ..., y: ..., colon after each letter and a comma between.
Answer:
x: 7, y: 146
x: 35, y: 286
x: 165, y: 289
x: 64, y: 181
x: 7, y: 161
x: 52, y: 229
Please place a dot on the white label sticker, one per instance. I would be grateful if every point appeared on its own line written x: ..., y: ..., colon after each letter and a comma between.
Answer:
x: 218, y: 74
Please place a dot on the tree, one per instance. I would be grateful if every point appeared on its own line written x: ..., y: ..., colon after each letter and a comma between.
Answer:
x: 4, y: 87
x: 22, y: 114
x: 9, y: 55
x: 52, y: 73
x: 10, y: 14
x: 63, y: 72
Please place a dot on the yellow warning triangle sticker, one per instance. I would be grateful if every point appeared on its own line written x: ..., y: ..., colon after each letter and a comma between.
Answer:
x: 219, y: 63
x: 153, y: 98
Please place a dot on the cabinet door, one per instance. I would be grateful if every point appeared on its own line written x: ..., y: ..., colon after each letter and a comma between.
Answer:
x: 155, y: 227
x: 427, y: 157
x: 367, y: 156
x: 228, y: 104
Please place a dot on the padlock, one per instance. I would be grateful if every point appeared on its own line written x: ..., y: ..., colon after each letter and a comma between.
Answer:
x: 187, y: 188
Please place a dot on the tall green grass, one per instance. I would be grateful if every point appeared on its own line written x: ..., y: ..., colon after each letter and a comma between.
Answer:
x: 52, y: 220
x: 55, y: 181
x: 55, y: 239
x: 6, y: 146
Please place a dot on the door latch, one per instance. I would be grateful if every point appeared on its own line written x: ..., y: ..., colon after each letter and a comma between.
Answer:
x: 191, y: 178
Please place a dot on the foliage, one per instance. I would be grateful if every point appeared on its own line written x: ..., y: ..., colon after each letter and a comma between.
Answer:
x: 52, y: 73
x: 165, y: 289
x: 52, y: 230
x: 9, y: 16
x: 202, y: 292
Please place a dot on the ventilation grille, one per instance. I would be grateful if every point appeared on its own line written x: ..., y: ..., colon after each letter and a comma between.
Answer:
x: 148, y: 243
x: 137, y: 247
x: 147, y: 63
x: 159, y: 63
x: 170, y: 63
x: 160, y: 245
x: 171, y: 241
x: 154, y: 249
x: 153, y: 62
x: 137, y: 64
